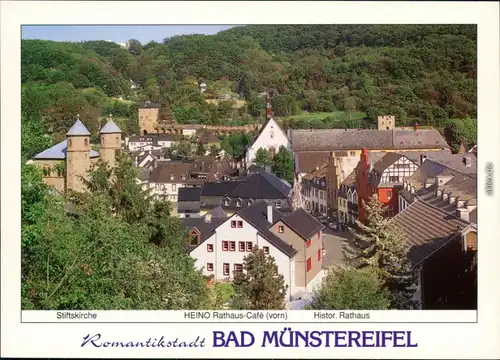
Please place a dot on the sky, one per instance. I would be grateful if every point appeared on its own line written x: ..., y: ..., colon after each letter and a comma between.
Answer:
x: 119, y: 34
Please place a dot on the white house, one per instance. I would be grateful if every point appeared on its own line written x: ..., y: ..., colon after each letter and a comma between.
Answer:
x: 271, y: 138
x: 219, y: 244
x: 149, y: 142
x: 189, y: 132
x: 167, y: 178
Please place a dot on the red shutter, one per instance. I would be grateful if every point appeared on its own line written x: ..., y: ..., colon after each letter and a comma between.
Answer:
x: 308, y: 265
x: 319, y: 254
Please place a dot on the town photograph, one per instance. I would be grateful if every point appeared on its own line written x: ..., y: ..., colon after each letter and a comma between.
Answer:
x: 250, y: 167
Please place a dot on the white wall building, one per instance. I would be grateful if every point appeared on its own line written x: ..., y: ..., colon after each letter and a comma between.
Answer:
x: 222, y: 253
x: 271, y: 138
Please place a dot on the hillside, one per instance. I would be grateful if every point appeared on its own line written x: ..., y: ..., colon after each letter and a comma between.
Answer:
x: 424, y: 73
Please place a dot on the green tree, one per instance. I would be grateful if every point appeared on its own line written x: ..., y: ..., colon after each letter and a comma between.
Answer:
x: 236, y: 144
x: 214, y: 151
x: 283, y: 165
x: 183, y: 150
x: 460, y: 131
x: 113, y: 250
x: 200, y: 149
x: 259, y: 286
x: 378, y: 243
x: 262, y: 157
x: 351, y: 289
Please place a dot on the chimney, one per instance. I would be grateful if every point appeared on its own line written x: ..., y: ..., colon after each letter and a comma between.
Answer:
x: 364, y: 157
x: 270, y: 213
x: 463, y: 214
x: 467, y: 161
x: 208, y: 218
x: 422, y: 158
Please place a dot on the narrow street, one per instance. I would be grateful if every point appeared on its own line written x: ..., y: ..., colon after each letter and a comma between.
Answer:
x: 333, y: 242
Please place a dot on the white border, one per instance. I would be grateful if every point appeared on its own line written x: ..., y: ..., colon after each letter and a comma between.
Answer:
x: 435, y: 340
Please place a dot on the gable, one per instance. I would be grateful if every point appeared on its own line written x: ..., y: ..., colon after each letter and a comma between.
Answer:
x: 271, y: 135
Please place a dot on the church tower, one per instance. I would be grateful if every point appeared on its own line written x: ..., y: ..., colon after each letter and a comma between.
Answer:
x: 111, y: 137
x: 110, y: 142
x: 77, y: 155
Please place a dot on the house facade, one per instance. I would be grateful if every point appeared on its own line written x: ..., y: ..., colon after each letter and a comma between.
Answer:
x: 219, y: 244
x: 314, y: 190
x: 271, y: 137
x: 150, y: 142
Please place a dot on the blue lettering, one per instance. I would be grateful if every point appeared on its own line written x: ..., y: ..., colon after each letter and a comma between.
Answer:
x: 92, y: 340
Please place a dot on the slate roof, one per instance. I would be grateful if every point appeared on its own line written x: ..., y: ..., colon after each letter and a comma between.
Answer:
x: 256, y: 215
x: 353, y: 139
x: 218, y: 213
x: 387, y: 160
x: 303, y: 223
x: 427, y: 228
x: 308, y: 161
x: 261, y: 185
x: 189, y: 194
x: 206, y: 137
x: 78, y: 129
x: 58, y: 152
x: 218, y: 188
x: 110, y: 128
x: 205, y: 228
x: 170, y: 172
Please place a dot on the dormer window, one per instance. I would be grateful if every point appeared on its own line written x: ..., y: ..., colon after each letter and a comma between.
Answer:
x: 277, y: 204
x: 226, y: 202
x: 250, y: 202
x: 238, y: 203
x: 171, y: 177
x: 183, y: 177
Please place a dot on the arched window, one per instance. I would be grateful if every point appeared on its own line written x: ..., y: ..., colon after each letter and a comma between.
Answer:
x: 86, y: 142
x: 69, y: 143
x: 46, y: 171
x: 102, y: 140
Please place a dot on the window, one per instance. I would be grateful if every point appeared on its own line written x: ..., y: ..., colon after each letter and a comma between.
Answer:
x: 281, y: 229
x: 171, y: 176
x: 225, y: 269
x: 238, y: 268
x: 238, y: 203
x: 46, y: 172
x: 86, y: 142
x: 225, y: 245
x: 277, y: 204
x: 117, y: 140
x: 69, y: 143
x: 393, y: 178
x: 183, y: 177
x: 210, y: 267
x: 194, y: 237
x: 471, y: 241
x: 241, y: 246
x: 308, y: 265
x: 319, y: 234
x: 319, y: 254
x: 232, y: 246
x: 266, y: 250
x: 271, y: 134
x: 174, y: 187
x: 233, y: 223
x: 308, y: 243
x: 240, y: 224
x: 352, y: 153
x: 226, y: 202
x: 389, y: 194
x: 210, y: 248
x: 249, y: 246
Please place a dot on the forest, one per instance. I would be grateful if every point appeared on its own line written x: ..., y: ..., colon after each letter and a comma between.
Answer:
x: 319, y: 76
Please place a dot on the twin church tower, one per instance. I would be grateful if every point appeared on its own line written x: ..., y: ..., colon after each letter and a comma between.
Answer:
x: 67, y: 163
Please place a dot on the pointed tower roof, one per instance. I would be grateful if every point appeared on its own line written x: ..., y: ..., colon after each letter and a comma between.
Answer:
x: 110, y: 127
x: 78, y: 129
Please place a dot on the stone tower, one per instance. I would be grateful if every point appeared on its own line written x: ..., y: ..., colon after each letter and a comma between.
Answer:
x: 148, y: 118
x: 387, y: 122
x: 110, y: 142
x: 77, y: 155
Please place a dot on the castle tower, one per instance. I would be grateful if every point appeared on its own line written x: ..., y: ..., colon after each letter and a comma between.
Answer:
x: 387, y: 122
x: 148, y: 118
x: 77, y: 155
x: 110, y: 142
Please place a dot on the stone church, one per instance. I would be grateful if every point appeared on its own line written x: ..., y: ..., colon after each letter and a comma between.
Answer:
x: 66, y: 163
